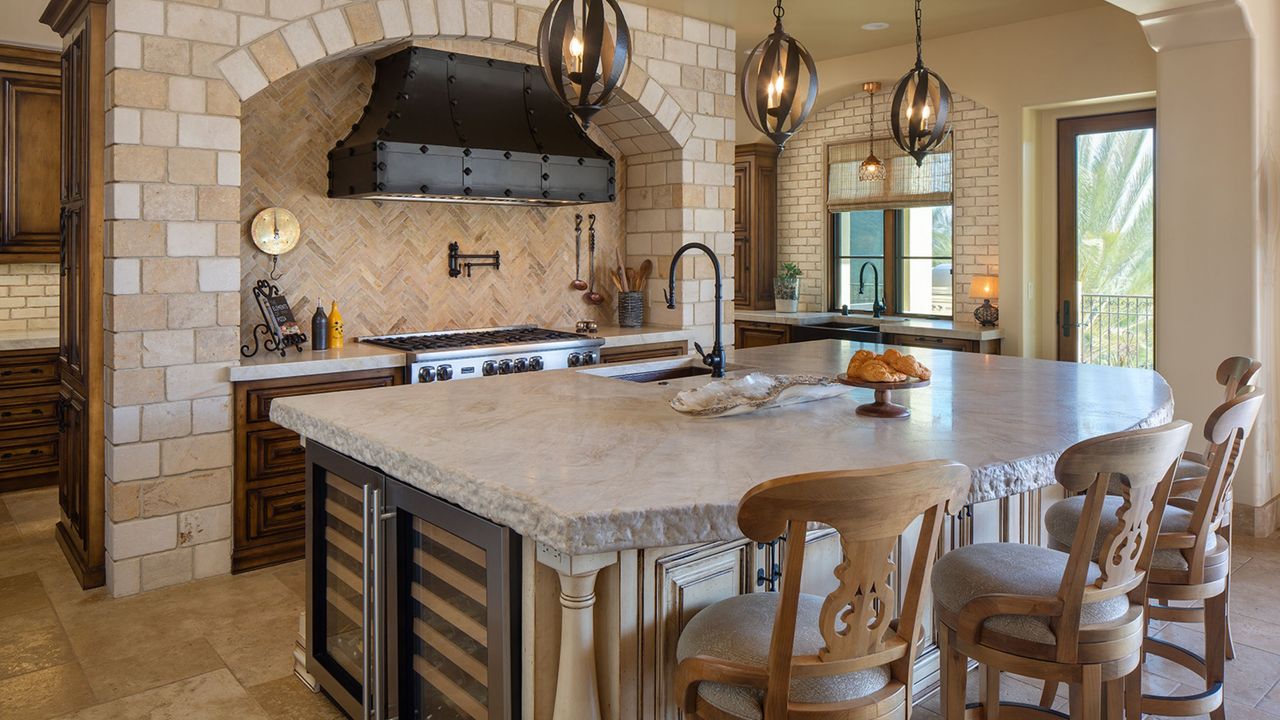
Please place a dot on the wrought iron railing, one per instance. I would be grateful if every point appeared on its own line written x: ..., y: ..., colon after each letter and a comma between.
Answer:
x: 1118, y: 330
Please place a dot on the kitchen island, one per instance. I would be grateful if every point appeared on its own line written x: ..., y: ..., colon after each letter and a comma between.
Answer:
x: 631, y: 506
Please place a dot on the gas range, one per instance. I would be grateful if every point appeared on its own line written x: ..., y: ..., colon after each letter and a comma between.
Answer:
x: 465, y: 354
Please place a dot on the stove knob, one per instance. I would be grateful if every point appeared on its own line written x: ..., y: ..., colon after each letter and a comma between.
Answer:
x: 426, y: 375
x: 489, y: 368
x: 504, y: 367
x: 444, y: 372
x: 522, y: 365
x: 535, y: 363
x: 590, y: 358
x: 575, y: 360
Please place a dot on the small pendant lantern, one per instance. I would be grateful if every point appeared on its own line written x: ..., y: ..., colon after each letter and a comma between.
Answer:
x: 774, y: 71
x: 583, y: 58
x: 872, y: 169
x: 921, y: 114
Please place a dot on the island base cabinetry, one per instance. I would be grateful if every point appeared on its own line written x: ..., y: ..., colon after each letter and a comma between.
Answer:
x: 410, y: 611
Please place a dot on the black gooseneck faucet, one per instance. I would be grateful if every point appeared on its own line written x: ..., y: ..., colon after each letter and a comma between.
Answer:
x: 877, y: 307
x: 715, y: 358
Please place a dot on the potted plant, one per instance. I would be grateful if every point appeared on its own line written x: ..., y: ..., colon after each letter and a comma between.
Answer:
x: 786, y: 288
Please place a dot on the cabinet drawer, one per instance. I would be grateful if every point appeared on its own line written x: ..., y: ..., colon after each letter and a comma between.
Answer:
x: 644, y: 352
x: 927, y: 341
x: 274, y: 511
x: 274, y: 453
x: 258, y: 400
x: 36, y: 453
x: 26, y: 412
x: 21, y: 370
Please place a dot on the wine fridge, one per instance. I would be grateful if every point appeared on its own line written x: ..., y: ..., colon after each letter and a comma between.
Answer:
x: 413, y: 607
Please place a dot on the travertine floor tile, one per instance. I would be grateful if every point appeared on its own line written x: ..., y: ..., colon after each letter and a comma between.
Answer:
x: 45, y: 693
x: 120, y: 677
x: 1250, y: 676
x: 288, y: 699
x: 32, y: 641
x: 21, y: 593
x: 33, y: 512
x: 257, y: 651
x: 211, y: 696
x: 294, y: 577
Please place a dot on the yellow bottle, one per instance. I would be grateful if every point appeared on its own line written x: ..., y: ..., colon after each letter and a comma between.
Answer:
x: 336, y: 330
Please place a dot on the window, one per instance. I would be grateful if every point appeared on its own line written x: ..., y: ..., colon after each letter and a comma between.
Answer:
x: 910, y: 251
x: 900, y: 226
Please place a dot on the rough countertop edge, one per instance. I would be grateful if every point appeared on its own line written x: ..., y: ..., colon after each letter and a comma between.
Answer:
x: 916, y: 326
x: 630, y: 530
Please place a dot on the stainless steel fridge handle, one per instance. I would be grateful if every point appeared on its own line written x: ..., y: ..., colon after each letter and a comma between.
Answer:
x: 375, y: 524
x: 365, y: 603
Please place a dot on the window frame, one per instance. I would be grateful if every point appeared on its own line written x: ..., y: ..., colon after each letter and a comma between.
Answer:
x: 891, y: 282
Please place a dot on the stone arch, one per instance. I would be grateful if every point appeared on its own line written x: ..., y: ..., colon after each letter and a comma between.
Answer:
x: 643, y: 118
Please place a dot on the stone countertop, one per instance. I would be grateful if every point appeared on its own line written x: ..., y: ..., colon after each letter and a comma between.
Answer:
x: 929, y: 327
x: 355, y: 356
x: 615, y: 336
x: 363, y: 356
x: 589, y: 463
x: 28, y: 340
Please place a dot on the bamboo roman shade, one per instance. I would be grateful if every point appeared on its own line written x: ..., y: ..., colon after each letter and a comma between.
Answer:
x: 904, y: 184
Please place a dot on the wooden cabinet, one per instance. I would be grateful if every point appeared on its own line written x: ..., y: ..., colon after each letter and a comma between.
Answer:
x: 991, y: 347
x: 30, y: 141
x: 756, y: 334
x: 30, y: 412
x: 755, y: 225
x: 649, y: 351
x: 81, y: 195
x: 270, y: 466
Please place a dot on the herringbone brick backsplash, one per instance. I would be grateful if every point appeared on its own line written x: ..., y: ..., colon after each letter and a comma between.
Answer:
x: 387, y: 263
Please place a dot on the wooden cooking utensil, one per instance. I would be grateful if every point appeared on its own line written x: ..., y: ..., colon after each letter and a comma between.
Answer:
x: 646, y: 269
x: 578, y: 283
x: 613, y: 275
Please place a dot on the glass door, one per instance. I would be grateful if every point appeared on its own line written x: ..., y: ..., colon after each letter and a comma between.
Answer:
x: 1106, y: 239
x: 457, y: 624
x: 342, y: 574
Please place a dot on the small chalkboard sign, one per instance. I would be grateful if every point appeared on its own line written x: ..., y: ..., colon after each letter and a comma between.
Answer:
x: 279, y: 327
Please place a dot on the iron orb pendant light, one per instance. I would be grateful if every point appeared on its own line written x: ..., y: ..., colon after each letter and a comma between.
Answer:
x: 775, y: 70
x: 583, y: 59
x: 920, y: 118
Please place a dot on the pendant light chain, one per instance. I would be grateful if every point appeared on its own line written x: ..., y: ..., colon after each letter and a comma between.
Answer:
x: 919, y: 39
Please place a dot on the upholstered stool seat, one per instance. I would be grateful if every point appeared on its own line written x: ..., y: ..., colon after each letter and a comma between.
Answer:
x: 1062, y: 518
x: 1189, y: 469
x: 739, y: 629
x: 969, y: 572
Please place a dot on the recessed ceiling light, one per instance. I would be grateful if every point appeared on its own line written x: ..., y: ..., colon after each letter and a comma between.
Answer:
x: 876, y: 26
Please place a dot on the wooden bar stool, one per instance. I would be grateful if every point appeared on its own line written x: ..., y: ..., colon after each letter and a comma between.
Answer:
x: 1054, y: 615
x: 1234, y: 374
x: 1192, y: 563
x: 846, y: 656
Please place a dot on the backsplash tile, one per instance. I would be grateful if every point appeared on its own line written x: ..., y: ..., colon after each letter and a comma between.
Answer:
x: 386, y: 263
x: 29, y: 296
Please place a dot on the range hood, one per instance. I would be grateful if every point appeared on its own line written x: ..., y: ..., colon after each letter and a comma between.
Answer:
x: 446, y: 127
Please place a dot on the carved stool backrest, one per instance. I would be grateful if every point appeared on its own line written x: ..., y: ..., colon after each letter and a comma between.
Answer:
x: 1227, y: 429
x: 869, y: 509
x: 1142, y: 462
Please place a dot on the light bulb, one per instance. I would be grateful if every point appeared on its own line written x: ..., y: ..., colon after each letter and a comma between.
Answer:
x: 775, y: 91
x: 575, y: 53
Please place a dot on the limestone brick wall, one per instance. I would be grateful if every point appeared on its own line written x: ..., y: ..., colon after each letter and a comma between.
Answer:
x: 802, y: 226
x: 28, y: 296
x: 178, y: 71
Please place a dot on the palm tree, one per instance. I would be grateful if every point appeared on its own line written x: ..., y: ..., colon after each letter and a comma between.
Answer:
x: 1115, y: 222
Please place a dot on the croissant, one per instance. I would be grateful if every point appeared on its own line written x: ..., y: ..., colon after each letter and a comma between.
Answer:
x: 878, y: 371
x: 907, y: 364
x: 857, y: 360
x: 889, y: 356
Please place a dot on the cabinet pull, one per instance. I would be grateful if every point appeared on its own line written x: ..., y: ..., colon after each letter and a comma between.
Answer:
x: 375, y: 525
x: 365, y: 607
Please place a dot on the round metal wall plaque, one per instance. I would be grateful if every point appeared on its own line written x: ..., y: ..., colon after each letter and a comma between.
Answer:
x: 275, y: 231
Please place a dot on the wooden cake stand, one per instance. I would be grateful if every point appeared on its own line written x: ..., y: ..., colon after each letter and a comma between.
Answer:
x: 883, y: 407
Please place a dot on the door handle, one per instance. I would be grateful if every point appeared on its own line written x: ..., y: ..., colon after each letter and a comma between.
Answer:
x: 1066, y: 318
x: 366, y: 613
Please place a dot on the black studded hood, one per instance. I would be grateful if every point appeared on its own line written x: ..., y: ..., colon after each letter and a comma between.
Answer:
x: 446, y: 127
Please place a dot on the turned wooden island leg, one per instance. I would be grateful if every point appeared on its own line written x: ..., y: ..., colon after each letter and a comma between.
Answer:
x: 577, y: 692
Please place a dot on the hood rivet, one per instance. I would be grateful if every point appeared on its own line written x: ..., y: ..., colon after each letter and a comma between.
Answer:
x: 423, y: 149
